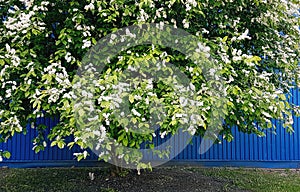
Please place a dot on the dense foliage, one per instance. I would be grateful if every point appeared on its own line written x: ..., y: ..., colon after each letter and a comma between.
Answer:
x: 42, y: 43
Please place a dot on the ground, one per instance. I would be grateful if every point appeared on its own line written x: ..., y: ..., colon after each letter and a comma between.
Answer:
x: 167, y: 179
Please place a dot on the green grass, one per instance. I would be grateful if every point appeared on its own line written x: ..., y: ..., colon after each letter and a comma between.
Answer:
x: 76, y: 179
x: 259, y: 179
x: 50, y: 179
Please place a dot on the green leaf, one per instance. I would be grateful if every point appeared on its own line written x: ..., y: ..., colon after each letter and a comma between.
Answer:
x: 6, y: 154
x: 282, y: 97
x: 94, y: 41
x: 125, y: 142
x: 108, y: 146
x: 224, y: 39
x: 60, y: 144
x: 79, y: 157
x: 71, y: 144
x: 121, y: 137
x: 269, y: 124
x: 215, y: 113
x: 126, y: 157
x: 131, y: 98
x: 281, y: 104
x: 132, y: 143
x: 173, y: 122
x: 134, y: 120
x: 105, y: 104
x: 53, y: 143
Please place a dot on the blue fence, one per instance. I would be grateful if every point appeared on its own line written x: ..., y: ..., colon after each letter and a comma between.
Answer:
x: 280, y: 150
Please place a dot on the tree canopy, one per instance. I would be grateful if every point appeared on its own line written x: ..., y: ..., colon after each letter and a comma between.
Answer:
x: 255, y: 44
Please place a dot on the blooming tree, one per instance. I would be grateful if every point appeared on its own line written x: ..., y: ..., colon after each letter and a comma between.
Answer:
x: 255, y: 44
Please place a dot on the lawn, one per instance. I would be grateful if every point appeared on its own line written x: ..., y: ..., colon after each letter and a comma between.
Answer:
x: 165, y: 179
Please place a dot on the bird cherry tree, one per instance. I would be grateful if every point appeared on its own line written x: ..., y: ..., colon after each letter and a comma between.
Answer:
x: 254, y: 43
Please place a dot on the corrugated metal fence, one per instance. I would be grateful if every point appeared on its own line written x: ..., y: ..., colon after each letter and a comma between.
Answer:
x: 281, y: 150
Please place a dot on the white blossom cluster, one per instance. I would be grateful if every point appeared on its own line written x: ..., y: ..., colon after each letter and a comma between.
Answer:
x: 20, y: 25
x: 189, y: 4
x: 57, y: 72
x: 12, y: 122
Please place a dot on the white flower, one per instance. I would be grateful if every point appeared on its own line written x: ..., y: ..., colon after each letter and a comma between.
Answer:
x: 239, y: 52
x: 89, y: 7
x: 102, y: 129
x: 163, y: 134
x: 68, y: 57
x: 192, y: 130
x: 1, y: 159
x: 192, y: 2
x: 244, y: 35
x: 149, y: 84
x: 79, y: 27
x: 188, y: 7
x: 113, y: 36
x: 234, y: 51
x: 136, y: 113
x: 86, y: 44
x: 183, y: 101
x: 97, y: 133
x: 128, y: 33
x: 199, y: 103
x: 230, y: 79
x: 185, y: 23
x: 266, y: 114
x: 143, y: 16
x: 27, y: 3
x: 192, y: 86
x: 137, y: 97
x: 178, y: 115
x: 106, y: 115
x: 290, y: 120
x: 205, y: 31
x: 236, y: 58
x: 8, y: 93
x: 85, y: 153
x: 200, y: 48
x: 7, y: 47
x: 157, y: 13
x: 108, y: 59
x: 86, y: 33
